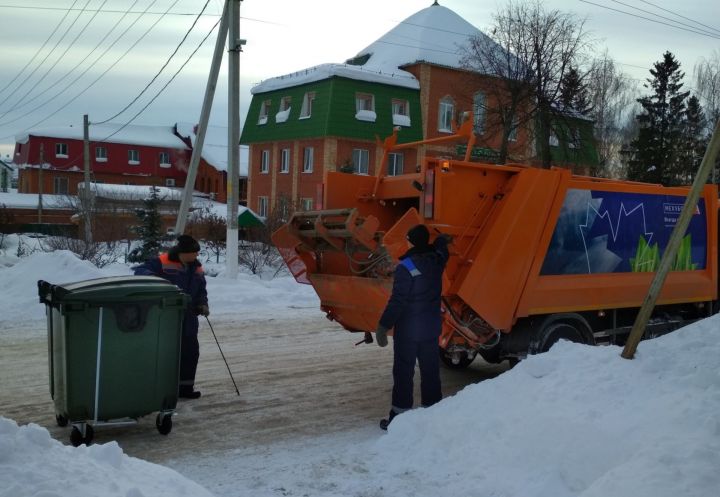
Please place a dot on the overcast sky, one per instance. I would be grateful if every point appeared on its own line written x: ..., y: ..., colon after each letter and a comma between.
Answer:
x: 61, y: 83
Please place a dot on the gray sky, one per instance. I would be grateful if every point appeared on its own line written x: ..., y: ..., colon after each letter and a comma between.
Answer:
x: 282, y: 36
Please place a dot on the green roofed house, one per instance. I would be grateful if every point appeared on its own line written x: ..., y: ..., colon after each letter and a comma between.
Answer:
x: 329, y: 117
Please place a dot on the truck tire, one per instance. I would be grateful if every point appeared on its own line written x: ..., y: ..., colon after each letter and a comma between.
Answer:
x: 461, y: 360
x: 554, y: 332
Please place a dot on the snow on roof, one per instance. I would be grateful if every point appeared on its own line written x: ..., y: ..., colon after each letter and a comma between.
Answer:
x: 132, y: 192
x: 134, y: 134
x: 215, y: 146
x: 15, y: 200
x: 434, y: 35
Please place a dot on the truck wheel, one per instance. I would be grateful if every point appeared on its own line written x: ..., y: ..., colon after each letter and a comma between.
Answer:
x: 455, y: 360
x: 554, y: 332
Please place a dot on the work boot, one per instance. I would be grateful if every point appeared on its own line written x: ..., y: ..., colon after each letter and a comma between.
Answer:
x: 384, y: 423
x: 188, y: 392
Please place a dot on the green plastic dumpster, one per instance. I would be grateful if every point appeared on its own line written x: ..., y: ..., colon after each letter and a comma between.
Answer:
x: 114, y: 351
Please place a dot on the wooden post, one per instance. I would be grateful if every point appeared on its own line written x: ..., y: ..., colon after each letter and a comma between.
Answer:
x: 86, y: 167
x: 676, y: 237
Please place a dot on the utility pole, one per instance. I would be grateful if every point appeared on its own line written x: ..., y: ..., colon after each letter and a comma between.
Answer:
x: 86, y: 164
x: 233, y: 197
x: 40, y: 182
x: 676, y: 237
x: 186, y: 202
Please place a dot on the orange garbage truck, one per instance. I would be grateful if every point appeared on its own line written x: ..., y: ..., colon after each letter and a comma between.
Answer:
x: 537, y: 255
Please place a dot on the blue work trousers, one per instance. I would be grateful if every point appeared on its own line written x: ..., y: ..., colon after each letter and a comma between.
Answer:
x: 406, y: 353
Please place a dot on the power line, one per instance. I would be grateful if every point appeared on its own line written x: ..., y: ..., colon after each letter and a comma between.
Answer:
x: 67, y: 12
x: 108, y: 11
x: 681, y: 16
x: 20, y: 100
x: 197, y: 18
x: 57, y: 43
x: 157, y: 21
x: 651, y: 20
x: 57, y: 82
x: 666, y: 18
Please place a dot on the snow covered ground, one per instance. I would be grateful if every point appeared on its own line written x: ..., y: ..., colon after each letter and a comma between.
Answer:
x: 577, y: 421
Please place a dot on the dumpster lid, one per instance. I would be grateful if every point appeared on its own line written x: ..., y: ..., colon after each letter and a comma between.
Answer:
x: 108, y: 289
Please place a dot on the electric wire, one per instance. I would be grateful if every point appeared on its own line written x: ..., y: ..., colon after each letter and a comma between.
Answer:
x: 67, y: 13
x: 666, y: 18
x: 57, y: 43
x: 45, y: 75
x: 681, y: 16
x: 106, y: 11
x: 68, y: 73
x: 159, y: 72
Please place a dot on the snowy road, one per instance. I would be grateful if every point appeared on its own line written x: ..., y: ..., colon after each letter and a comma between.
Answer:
x: 297, y: 378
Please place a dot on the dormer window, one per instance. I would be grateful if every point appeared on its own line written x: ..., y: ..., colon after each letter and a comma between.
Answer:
x: 284, y: 113
x: 365, y: 107
x: 264, y: 111
x: 306, y: 110
x: 400, y: 112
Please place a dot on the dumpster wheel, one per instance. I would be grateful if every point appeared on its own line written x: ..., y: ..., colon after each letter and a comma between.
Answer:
x: 77, y: 438
x: 61, y: 420
x: 164, y: 423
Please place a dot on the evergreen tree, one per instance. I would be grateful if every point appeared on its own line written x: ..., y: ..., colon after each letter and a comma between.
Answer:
x: 574, y: 92
x: 694, y: 142
x: 150, y: 228
x: 656, y: 150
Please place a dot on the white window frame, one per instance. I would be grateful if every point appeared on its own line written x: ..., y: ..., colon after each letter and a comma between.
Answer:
x: 101, y: 154
x: 263, y: 206
x: 61, y: 150
x: 170, y: 182
x: 400, y: 112
x: 264, y: 111
x: 553, y: 139
x: 396, y: 162
x: 164, y: 155
x: 479, y: 112
x: 133, y: 157
x: 513, y: 136
x: 574, y: 138
x: 307, y: 105
x: 365, y: 107
x: 265, y: 162
x: 306, y: 204
x: 361, y: 161
x: 285, y: 161
x: 446, y: 113
x: 284, y: 112
x: 308, y: 159
x: 60, y: 185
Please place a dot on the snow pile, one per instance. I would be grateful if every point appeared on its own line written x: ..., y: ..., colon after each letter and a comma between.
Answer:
x: 577, y: 421
x: 33, y: 464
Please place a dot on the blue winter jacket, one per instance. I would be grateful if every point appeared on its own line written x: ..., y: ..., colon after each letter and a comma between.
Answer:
x: 190, y: 278
x: 414, y: 306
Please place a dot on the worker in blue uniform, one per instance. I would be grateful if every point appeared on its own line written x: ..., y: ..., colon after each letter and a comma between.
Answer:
x: 180, y: 266
x: 413, y: 310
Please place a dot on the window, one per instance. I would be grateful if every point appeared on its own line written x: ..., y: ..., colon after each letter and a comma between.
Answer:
x: 361, y: 161
x: 395, y: 164
x: 61, y: 150
x: 306, y: 204
x: 263, y: 206
x: 264, y: 111
x: 306, y: 109
x: 445, y: 114
x: 100, y: 154
x: 365, y: 107
x: 133, y: 157
x: 479, y: 113
x: 400, y: 112
x: 574, y: 138
x: 284, y: 113
x: 285, y: 160
x: 265, y: 161
x: 514, y: 131
x: 164, y: 159
x: 60, y: 186
x: 169, y: 181
x: 308, y: 160
x: 554, y: 142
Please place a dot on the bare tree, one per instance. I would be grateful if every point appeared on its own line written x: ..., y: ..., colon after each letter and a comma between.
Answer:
x: 530, y: 49
x: 209, y: 227
x: 707, y: 87
x: 613, y: 101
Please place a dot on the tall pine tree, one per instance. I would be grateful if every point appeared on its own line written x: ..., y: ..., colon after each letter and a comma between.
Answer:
x: 574, y: 92
x: 150, y: 228
x: 657, y: 149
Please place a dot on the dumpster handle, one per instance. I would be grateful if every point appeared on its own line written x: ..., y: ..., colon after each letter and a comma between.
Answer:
x: 97, y: 363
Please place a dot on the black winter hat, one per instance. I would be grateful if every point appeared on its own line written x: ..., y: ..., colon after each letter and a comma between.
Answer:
x: 419, y: 235
x: 186, y: 243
